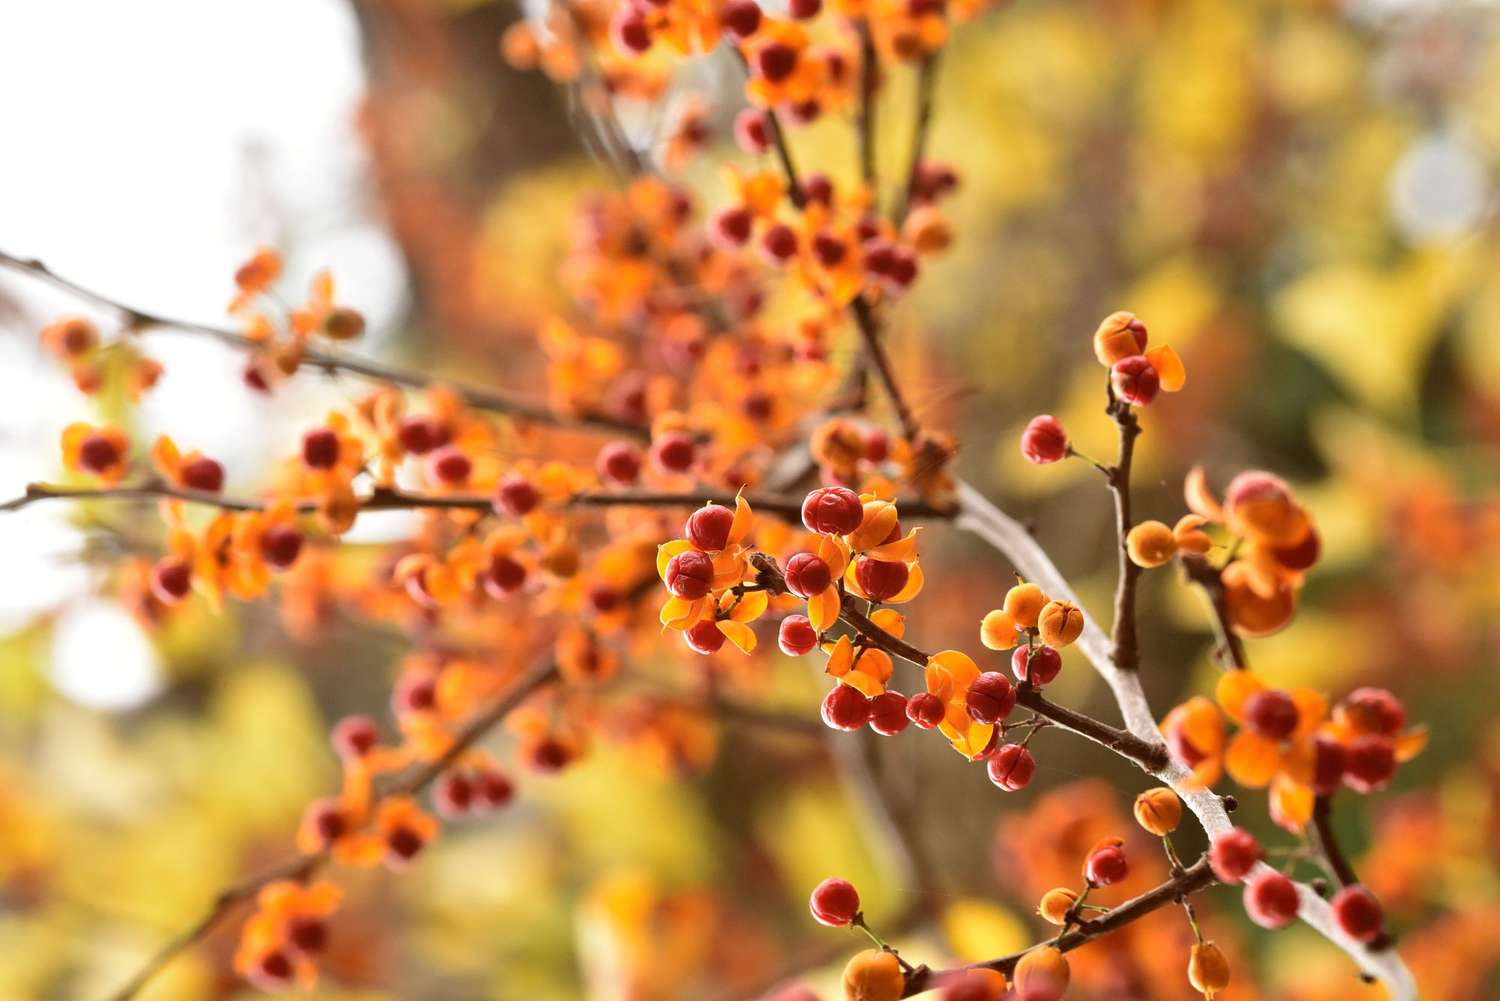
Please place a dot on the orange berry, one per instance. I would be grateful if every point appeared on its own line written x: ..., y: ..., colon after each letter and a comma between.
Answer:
x: 1158, y: 810
x: 1252, y: 613
x: 997, y: 630
x: 1208, y: 970
x: 1060, y: 623
x: 1056, y: 903
x: 1150, y: 544
x: 874, y: 975
x: 1041, y: 975
x: 1120, y: 335
x: 1024, y: 603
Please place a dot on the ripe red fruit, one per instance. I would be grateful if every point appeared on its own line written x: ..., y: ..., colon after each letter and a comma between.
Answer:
x: 516, y: 495
x: 619, y: 463
x: 731, y: 227
x: 402, y: 844
x: 255, y: 379
x: 281, y: 544
x: 453, y: 795
x: 779, y: 243
x: 797, y: 636
x: 751, y: 131
x: 1329, y: 762
x: 704, y: 637
x: 708, y: 527
x: 629, y: 30
x: 353, y: 737
x: 492, y: 789
x: 1271, y: 713
x: 846, y: 708
x: 320, y: 448
x: 503, y: 577
x: 832, y: 510
x: 326, y: 818
x: 741, y: 18
x: 450, y: 465
x: 1302, y: 555
x: 1233, y: 854
x: 420, y: 434
x: 274, y: 971
x: 776, y: 61
x: 171, y: 580
x: 98, y: 453
x: 925, y: 709
x: 1376, y: 711
x: 991, y: 697
x: 689, y: 574
x: 413, y: 694
x: 880, y: 579
x: 1135, y: 380
x: 1011, y: 767
x: 1271, y: 900
x: 1106, y: 865
x: 603, y: 599
x: 877, y: 445
x: 1039, y: 664
x: 834, y: 902
x: 803, y: 10
x: 817, y: 187
x: 807, y: 574
x: 203, y: 473
x: 1044, y: 440
x: 1358, y: 913
x: 888, y: 713
x: 307, y: 934
x: 674, y: 452
x: 1370, y: 763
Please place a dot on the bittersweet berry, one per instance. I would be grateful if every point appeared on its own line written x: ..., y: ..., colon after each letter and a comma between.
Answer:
x: 741, y: 18
x: 817, y: 188
x: 991, y: 697
x: 807, y: 574
x: 419, y: 434
x: 326, y: 820
x: 503, y: 577
x: 779, y: 242
x: 281, y: 544
x: 203, y: 473
x: 751, y: 131
x: 674, y: 452
x: 307, y: 934
x: 691, y: 573
x: 1135, y: 380
x: 1373, y: 711
x: 402, y: 844
x: 1120, y: 335
x: 1370, y: 763
x: 804, y: 10
x: 1271, y: 900
x: 413, y: 694
x: 343, y: 324
x: 1358, y: 913
x: 704, y: 637
x: 1302, y: 555
x: 353, y: 737
x: 1011, y: 767
x: 1024, y: 604
x: 1329, y: 761
x: 1106, y: 865
x: 1158, y: 811
x: 832, y: 511
x: 492, y: 789
x: 776, y: 61
x: 1041, y: 975
x: 797, y: 636
x: 273, y: 972
x: 619, y: 463
x: 171, y: 580
x: 1044, y: 440
x: 1233, y: 854
x: 320, y: 448
x: 629, y: 30
x: 1208, y: 970
x: 516, y: 496
x: 888, y: 713
x: 453, y: 795
x: 846, y: 708
x: 731, y: 227
x: 1056, y: 903
x: 1271, y: 713
x: 1060, y: 623
x: 997, y: 631
x: 925, y: 709
x: 1038, y: 665
x: 1150, y: 544
x: 708, y: 527
x: 834, y: 902
x: 874, y: 975
x: 450, y: 466
x: 880, y: 580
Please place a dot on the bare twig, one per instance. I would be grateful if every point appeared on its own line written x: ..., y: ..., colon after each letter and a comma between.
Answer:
x: 1229, y: 649
x: 1127, y: 653
x: 927, y: 73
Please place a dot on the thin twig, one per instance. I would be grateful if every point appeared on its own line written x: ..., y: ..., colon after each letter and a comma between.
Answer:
x: 1229, y: 649
x: 869, y: 83
x: 869, y: 331
x: 927, y: 74
x: 1127, y: 653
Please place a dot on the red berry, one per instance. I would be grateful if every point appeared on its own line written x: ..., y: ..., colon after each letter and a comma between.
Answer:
x: 98, y: 453
x: 550, y: 755
x: 1376, y: 711
x: 708, y: 527
x: 326, y: 818
x: 492, y: 789
x: 925, y: 709
x: 1011, y: 767
x: 1329, y: 761
x: 320, y: 448
x: 877, y: 445
x: 503, y: 577
x: 1271, y: 900
x: 803, y: 10
x: 807, y: 574
x: 1134, y: 380
x: 704, y: 637
x: 450, y: 465
x: 1302, y: 555
x: 879, y: 579
x: 273, y: 971
x: 603, y: 599
x: 1370, y: 763
x: 203, y: 474
x: 255, y: 379
x: 402, y: 844
x: 834, y: 902
x: 171, y: 580
x: 731, y: 227
x: 1038, y: 664
x: 413, y: 694
x: 751, y: 131
x: 629, y: 30
x: 818, y: 188
x: 281, y: 544
x: 453, y: 795
x: 308, y: 934
x: 991, y: 697
x: 516, y: 496
x: 353, y: 737
x: 776, y: 61
x: 419, y: 434
x: 888, y: 713
x: 846, y: 708
x: 833, y: 511
x: 674, y: 452
x: 797, y: 636
x: 1106, y: 865
x: 1271, y: 713
x: 1044, y: 440
x: 779, y: 243
x: 690, y: 574
x: 741, y: 18
x: 1233, y: 854
x: 619, y: 463
x: 1358, y: 913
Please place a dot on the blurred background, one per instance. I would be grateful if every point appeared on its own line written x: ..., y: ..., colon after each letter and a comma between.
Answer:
x: 1299, y: 195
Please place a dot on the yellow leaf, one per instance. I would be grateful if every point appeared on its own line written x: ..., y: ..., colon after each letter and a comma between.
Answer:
x: 823, y: 609
x: 738, y: 633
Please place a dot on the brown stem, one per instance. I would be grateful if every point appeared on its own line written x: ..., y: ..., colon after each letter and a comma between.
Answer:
x: 869, y: 81
x: 869, y: 330
x: 1229, y: 649
x: 1126, y: 652
x: 333, y: 361
x: 1191, y: 880
x: 1326, y: 843
x: 927, y: 73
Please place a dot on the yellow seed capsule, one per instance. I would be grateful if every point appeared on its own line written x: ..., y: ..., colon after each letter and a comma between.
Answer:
x: 1023, y: 603
x: 1120, y: 335
x: 1056, y: 903
x: 1150, y: 544
x: 997, y: 630
x: 1208, y: 970
x: 1060, y: 623
x: 1158, y: 811
x: 873, y: 975
x: 1042, y: 974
